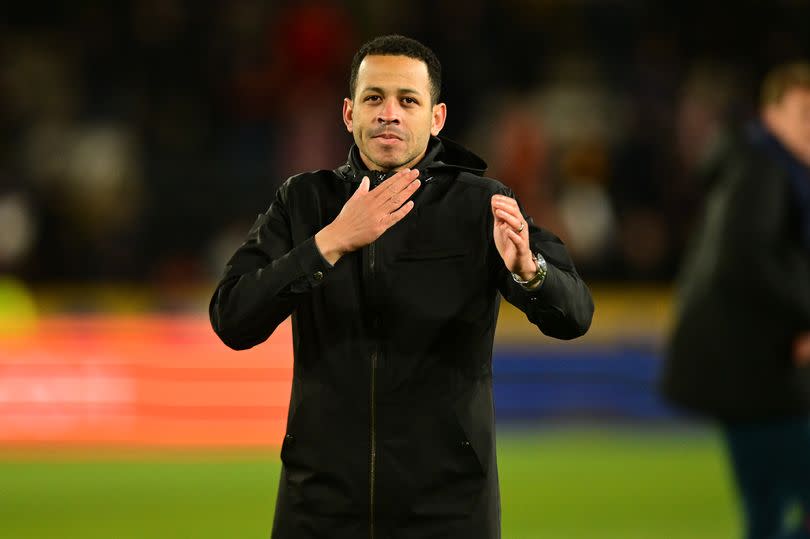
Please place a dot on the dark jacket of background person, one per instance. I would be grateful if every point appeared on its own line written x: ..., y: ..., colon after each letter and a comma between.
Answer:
x: 390, y: 430
x: 745, y: 291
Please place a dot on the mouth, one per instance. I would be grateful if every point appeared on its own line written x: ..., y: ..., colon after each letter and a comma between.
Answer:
x: 387, y: 140
x: 387, y: 136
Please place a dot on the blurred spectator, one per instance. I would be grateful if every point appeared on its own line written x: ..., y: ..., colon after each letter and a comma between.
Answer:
x: 90, y: 196
x: 582, y: 119
x: 19, y: 229
x: 740, y: 350
x: 617, y: 103
x: 286, y: 78
x: 518, y: 147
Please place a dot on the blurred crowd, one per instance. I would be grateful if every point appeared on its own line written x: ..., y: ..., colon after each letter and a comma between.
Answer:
x: 139, y: 139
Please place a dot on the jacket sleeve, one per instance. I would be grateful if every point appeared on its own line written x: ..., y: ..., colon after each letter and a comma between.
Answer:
x: 265, y: 279
x: 562, y: 307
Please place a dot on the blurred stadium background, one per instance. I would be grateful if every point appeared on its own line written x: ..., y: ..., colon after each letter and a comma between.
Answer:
x: 140, y: 138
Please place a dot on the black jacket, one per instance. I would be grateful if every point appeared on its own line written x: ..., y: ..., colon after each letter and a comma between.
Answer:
x: 390, y: 432
x: 744, y: 292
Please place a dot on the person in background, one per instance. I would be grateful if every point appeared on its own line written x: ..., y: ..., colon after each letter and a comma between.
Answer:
x: 739, y: 352
x: 391, y: 266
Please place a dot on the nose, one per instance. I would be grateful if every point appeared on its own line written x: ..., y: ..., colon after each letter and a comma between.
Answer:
x: 389, y: 113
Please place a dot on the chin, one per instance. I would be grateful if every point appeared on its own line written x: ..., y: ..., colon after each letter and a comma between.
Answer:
x: 388, y: 164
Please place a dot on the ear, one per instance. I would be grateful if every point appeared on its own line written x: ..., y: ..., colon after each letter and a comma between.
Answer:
x: 439, y: 116
x: 348, y: 109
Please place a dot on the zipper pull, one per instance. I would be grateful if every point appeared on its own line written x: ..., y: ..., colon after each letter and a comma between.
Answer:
x: 377, y: 180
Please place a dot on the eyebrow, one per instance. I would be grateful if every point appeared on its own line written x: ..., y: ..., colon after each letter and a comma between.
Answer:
x: 400, y: 91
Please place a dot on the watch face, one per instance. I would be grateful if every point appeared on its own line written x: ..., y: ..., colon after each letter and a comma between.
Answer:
x: 542, y: 269
x: 540, y: 276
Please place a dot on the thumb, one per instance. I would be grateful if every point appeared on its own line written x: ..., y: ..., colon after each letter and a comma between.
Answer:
x: 364, y: 184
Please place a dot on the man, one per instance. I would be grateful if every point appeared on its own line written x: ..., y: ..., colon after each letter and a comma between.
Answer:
x: 391, y: 266
x: 740, y: 350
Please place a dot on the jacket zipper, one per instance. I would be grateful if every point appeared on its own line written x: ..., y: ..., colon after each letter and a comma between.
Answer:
x: 373, y: 444
x: 374, y: 358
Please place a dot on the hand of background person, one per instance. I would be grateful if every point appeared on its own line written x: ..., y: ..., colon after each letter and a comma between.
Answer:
x: 511, y: 234
x: 801, y: 350
x: 368, y: 214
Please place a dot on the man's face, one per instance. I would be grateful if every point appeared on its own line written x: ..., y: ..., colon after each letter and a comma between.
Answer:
x: 391, y: 116
x: 789, y: 120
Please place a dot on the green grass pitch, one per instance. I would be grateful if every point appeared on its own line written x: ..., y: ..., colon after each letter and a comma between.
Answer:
x: 559, y: 483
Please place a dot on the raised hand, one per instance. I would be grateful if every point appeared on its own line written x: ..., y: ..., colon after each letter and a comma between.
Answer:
x: 368, y: 214
x: 511, y: 234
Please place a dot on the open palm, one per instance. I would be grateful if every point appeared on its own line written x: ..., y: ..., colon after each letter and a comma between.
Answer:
x: 511, y: 235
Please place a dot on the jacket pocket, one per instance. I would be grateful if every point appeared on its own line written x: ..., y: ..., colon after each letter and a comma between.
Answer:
x: 321, y: 470
x: 476, y: 418
x: 446, y: 476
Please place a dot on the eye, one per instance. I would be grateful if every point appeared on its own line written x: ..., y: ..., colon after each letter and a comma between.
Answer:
x: 410, y: 101
x: 371, y: 98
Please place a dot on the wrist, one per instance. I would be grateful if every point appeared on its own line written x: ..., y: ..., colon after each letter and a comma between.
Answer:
x: 537, y: 278
x: 329, y: 244
x: 528, y: 269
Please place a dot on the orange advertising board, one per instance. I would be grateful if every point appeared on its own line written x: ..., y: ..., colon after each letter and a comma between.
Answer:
x: 140, y: 381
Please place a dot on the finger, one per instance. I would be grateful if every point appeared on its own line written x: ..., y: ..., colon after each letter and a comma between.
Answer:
x: 399, y: 188
x: 494, y: 207
x: 521, y: 244
x: 502, y: 228
x: 501, y: 200
x: 508, y: 205
x: 394, y: 217
x: 511, y: 209
x: 385, y: 185
x: 404, y: 186
x: 364, y: 183
x: 397, y: 199
x: 398, y: 182
x: 513, y: 221
x: 500, y: 213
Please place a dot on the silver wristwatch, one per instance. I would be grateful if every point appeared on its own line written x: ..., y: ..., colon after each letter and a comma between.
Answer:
x: 539, y: 277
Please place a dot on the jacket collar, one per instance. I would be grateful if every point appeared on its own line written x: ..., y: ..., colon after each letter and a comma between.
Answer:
x: 798, y: 173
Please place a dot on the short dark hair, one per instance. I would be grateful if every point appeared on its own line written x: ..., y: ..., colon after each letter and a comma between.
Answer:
x: 783, y: 78
x: 397, y: 45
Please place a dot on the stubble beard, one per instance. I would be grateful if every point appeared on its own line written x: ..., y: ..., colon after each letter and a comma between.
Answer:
x: 388, y: 166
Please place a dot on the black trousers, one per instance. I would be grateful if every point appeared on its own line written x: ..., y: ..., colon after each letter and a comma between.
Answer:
x: 771, y: 465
